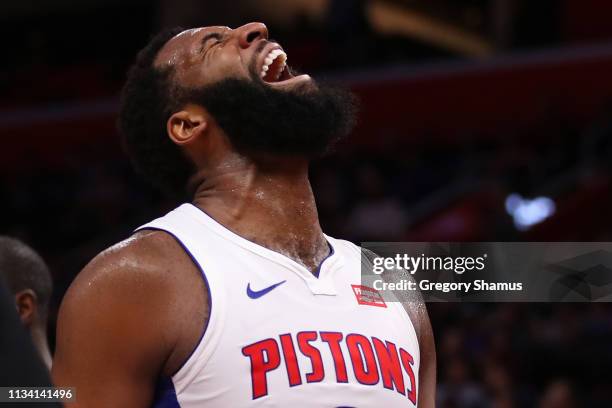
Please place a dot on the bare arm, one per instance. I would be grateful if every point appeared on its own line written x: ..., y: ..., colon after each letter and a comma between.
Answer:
x: 115, y: 330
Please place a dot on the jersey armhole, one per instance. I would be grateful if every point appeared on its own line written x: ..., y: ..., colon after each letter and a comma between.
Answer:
x: 211, y: 331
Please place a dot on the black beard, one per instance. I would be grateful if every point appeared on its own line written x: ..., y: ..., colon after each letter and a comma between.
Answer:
x: 306, y: 121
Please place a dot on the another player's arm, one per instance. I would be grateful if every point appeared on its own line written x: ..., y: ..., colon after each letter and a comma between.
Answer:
x: 115, y: 331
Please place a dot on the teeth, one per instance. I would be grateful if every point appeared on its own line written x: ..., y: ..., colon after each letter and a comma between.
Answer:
x: 270, y: 58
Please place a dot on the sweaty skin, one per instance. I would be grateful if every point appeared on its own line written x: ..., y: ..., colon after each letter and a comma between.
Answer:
x: 117, y: 328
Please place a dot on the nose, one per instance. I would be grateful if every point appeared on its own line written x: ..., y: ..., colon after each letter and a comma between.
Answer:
x: 248, y: 33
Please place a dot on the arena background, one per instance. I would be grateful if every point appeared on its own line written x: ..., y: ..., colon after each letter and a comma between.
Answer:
x: 465, y: 104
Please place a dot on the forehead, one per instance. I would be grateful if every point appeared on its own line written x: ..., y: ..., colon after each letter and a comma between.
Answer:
x: 184, y: 43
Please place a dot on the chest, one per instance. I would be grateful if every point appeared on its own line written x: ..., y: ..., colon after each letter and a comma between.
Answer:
x: 287, y: 335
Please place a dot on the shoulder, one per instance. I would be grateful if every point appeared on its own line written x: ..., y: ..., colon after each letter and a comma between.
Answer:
x: 128, y: 317
x: 137, y: 272
x: 412, y: 301
x: 135, y: 291
x: 145, y: 247
x: 343, y: 245
x: 140, y: 263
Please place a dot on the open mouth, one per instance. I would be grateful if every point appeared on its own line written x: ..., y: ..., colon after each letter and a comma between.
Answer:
x: 274, y: 68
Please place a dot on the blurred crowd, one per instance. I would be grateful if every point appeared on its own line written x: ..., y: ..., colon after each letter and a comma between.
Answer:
x: 523, y: 355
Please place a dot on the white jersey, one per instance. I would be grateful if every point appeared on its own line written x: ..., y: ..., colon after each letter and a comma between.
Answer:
x: 280, y: 336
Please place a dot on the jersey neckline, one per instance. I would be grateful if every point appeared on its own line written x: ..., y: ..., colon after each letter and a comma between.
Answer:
x: 321, y: 271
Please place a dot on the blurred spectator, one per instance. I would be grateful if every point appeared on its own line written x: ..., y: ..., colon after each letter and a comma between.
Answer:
x: 377, y: 215
x: 457, y: 389
x: 20, y: 364
x: 558, y: 394
x: 28, y: 278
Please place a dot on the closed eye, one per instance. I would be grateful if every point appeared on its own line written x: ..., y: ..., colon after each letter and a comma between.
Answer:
x: 208, y: 37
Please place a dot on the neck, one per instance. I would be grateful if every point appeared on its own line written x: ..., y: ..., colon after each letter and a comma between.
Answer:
x: 269, y: 203
x: 39, y: 339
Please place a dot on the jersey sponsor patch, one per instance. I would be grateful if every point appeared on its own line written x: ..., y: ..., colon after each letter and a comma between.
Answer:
x: 368, y: 296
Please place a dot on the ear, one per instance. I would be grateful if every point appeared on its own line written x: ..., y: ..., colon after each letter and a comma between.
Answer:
x: 187, y: 125
x: 26, y: 306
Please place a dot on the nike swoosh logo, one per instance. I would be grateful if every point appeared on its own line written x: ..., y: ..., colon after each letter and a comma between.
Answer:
x: 256, y: 294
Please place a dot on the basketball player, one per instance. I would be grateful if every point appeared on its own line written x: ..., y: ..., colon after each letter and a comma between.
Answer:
x: 29, y: 281
x: 20, y: 364
x: 236, y: 298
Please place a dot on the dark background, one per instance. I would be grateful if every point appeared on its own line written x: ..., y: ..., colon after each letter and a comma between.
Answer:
x: 464, y: 103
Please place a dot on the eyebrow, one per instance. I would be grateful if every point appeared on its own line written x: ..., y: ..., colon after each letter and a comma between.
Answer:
x: 210, y: 36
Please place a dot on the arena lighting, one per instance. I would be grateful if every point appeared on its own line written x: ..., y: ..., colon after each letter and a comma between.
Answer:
x: 527, y: 212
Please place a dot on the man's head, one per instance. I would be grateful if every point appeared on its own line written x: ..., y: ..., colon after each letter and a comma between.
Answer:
x: 187, y: 87
x: 28, y: 278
